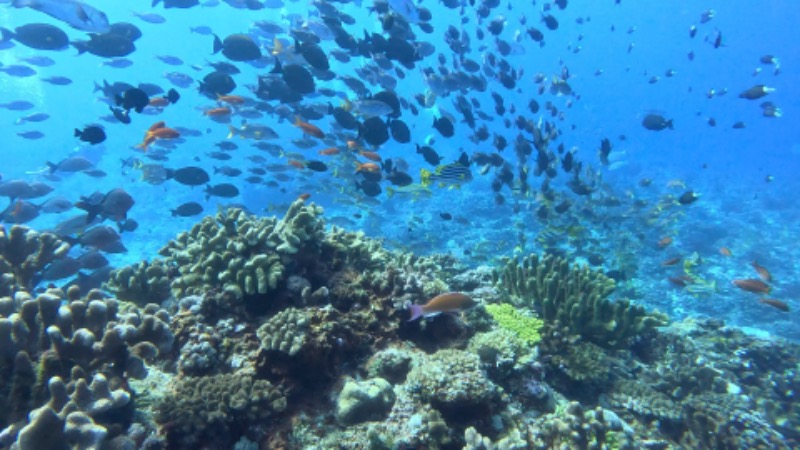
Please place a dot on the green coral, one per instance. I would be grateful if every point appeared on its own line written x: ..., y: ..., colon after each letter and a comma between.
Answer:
x: 508, y: 317
x: 286, y: 331
x: 576, y: 297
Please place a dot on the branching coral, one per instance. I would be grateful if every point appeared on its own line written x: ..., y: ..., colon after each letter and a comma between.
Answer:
x: 23, y: 254
x: 576, y: 297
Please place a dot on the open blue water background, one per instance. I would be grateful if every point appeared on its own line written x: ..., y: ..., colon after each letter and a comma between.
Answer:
x: 738, y: 209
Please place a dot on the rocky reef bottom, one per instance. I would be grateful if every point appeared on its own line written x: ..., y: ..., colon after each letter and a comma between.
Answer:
x: 285, y: 334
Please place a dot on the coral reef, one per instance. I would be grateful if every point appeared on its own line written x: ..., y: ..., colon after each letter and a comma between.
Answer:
x: 577, y: 298
x: 216, y: 410
x: 240, y: 253
x: 453, y: 382
x: 364, y: 400
x: 24, y: 253
x: 141, y: 283
x: 510, y: 318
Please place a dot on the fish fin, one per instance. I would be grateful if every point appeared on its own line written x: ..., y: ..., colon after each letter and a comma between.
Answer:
x: 416, y: 312
x: 217, y: 44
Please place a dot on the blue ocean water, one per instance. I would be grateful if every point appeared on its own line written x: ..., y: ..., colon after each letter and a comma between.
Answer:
x: 611, y: 51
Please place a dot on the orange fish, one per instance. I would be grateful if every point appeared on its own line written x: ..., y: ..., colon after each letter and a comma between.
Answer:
x: 304, y: 196
x: 442, y: 303
x: 353, y: 145
x: 753, y: 285
x: 158, y: 130
x: 372, y: 156
x: 725, y: 251
x: 664, y: 242
x: 231, y: 99
x: 159, y: 102
x: 329, y: 151
x: 309, y: 129
x: 763, y: 273
x: 671, y: 261
x: 777, y: 304
x: 216, y: 112
x: 297, y: 164
x: 367, y: 167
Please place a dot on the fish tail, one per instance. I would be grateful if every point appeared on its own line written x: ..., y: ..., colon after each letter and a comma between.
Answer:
x: 669, y: 124
x: 416, y: 312
x: 231, y: 131
x: 77, y: 132
x: 217, y: 44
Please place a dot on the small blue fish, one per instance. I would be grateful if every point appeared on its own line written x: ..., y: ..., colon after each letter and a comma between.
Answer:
x: 35, y: 117
x: 18, y: 70
x: 57, y: 80
x: 31, y: 134
x: 117, y: 63
x: 38, y: 61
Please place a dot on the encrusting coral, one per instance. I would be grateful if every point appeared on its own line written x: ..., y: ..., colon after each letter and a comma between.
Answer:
x: 577, y: 298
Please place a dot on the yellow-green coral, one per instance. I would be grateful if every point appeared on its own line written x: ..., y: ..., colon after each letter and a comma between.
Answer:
x: 527, y: 328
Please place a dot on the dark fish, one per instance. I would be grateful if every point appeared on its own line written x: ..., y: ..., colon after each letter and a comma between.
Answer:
x: 444, y: 126
x: 120, y: 114
x: 237, y: 47
x: 92, y: 260
x: 106, y: 45
x: 370, y: 188
x: 56, y: 205
x: 297, y: 77
x: 217, y: 83
x: 39, y: 36
x: 605, y: 150
x: 374, y: 131
x: 550, y: 22
x: 114, y: 205
x: 20, y: 211
x: 189, y: 176
x: 316, y: 166
x: 656, y: 122
x: 101, y: 237
x: 446, y: 216
x: 61, y: 268
x: 400, y: 131
x: 343, y: 117
x: 129, y: 225
x: 127, y: 30
x: 562, y: 207
x: 92, y: 134
x: 134, y: 98
x: 188, y: 209
x: 224, y: 190
x: 399, y: 178
x: 313, y: 54
x: 430, y: 155
x: 688, y: 197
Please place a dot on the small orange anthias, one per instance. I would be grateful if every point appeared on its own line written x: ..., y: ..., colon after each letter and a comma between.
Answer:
x: 762, y: 272
x: 442, y: 303
x: 158, y: 130
x: 753, y: 285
